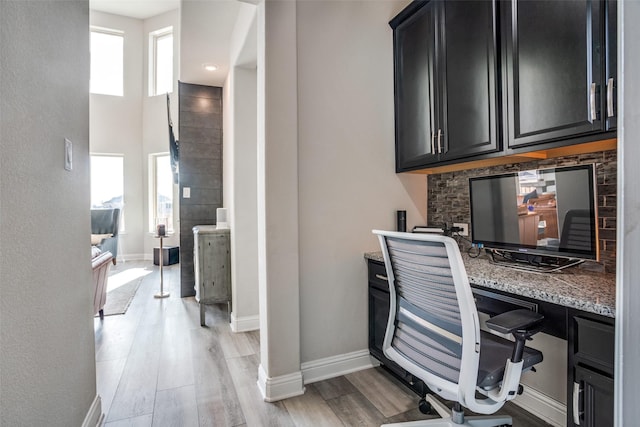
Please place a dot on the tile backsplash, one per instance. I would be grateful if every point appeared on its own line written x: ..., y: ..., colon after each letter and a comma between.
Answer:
x: 448, y: 195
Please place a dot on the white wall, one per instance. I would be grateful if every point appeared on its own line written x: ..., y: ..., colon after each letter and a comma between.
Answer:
x: 135, y: 125
x: 155, y: 131
x: 347, y: 180
x: 239, y: 169
x: 627, y: 381
x: 116, y: 128
x: 278, y: 219
x: 47, y: 365
x: 326, y: 175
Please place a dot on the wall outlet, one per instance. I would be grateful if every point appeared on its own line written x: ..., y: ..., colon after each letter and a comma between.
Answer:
x: 464, y: 228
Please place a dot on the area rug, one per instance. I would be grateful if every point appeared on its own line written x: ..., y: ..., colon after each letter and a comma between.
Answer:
x: 119, y: 299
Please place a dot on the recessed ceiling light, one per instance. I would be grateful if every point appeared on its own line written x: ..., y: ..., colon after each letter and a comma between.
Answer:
x: 210, y: 67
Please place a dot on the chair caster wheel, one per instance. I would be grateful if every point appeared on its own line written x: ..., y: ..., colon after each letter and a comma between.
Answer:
x: 424, y: 406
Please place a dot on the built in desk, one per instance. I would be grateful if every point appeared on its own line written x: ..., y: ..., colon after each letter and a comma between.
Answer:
x: 578, y: 305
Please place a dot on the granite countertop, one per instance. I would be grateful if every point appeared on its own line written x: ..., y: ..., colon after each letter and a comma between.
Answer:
x: 574, y: 287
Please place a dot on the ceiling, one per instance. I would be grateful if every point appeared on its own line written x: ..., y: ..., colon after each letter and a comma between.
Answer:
x: 206, y: 27
x: 140, y: 9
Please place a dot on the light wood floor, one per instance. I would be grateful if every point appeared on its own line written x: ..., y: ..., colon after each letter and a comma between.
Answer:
x: 157, y: 367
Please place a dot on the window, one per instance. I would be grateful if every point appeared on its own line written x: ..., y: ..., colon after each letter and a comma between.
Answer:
x: 107, y: 183
x: 107, y: 63
x: 162, y: 192
x: 161, y: 61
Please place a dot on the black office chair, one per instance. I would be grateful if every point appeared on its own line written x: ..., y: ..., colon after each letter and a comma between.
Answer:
x: 434, y: 333
x: 577, y: 230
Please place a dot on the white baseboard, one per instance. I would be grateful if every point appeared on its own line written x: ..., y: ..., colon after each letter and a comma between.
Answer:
x: 134, y: 257
x: 245, y: 323
x: 542, y: 406
x: 278, y: 388
x: 335, y: 366
x: 94, y: 417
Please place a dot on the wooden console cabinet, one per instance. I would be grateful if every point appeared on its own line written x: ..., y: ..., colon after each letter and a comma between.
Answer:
x: 212, y: 264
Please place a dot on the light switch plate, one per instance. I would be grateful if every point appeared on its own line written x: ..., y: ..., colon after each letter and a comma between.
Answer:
x: 186, y: 192
x: 68, y: 154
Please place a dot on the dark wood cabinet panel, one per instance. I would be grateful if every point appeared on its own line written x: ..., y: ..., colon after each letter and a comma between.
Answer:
x: 480, y: 79
x: 378, y: 317
x: 446, y: 99
x: 595, y: 398
x: 611, y: 66
x: 552, y: 66
x: 467, y: 78
x: 414, y: 47
x: 591, y: 370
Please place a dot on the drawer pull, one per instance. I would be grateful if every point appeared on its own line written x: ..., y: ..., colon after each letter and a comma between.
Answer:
x: 433, y: 143
x: 592, y: 102
x: 381, y: 277
x: 610, y: 97
x: 576, y: 403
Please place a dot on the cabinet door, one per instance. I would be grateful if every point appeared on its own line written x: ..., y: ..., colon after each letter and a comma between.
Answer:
x: 593, y: 393
x: 216, y: 269
x: 553, y: 55
x: 378, y: 317
x: 414, y: 42
x: 611, y: 75
x: 468, y: 122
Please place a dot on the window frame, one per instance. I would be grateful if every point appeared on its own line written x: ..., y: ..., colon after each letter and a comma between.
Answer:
x: 121, y: 224
x: 154, y: 37
x: 108, y: 32
x: 153, y: 193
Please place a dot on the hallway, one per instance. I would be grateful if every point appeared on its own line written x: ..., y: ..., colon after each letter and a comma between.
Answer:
x: 156, y: 366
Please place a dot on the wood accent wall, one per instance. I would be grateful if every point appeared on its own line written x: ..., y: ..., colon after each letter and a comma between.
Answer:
x: 200, y: 142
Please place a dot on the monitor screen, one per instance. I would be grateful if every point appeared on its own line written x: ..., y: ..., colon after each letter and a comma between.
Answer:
x: 542, y: 212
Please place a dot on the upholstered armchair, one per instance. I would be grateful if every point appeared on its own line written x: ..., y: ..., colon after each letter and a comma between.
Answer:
x: 104, y: 230
x: 100, y: 265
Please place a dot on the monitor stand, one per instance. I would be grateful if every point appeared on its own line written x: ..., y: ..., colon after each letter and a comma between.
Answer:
x: 532, y: 263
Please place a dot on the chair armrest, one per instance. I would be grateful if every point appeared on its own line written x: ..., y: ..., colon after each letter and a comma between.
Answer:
x: 516, y: 320
x: 103, y: 258
x: 522, y: 324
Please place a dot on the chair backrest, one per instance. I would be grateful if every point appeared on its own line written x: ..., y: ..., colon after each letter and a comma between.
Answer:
x: 433, y: 329
x: 577, y: 230
x: 105, y: 221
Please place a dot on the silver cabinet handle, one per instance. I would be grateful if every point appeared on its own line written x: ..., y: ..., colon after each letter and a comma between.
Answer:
x: 439, y: 137
x: 610, y: 97
x: 433, y: 143
x: 592, y: 101
x: 381, y: 277
x: 576, y: 403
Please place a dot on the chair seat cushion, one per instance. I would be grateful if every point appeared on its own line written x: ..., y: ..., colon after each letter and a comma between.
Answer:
x: 494, y: 352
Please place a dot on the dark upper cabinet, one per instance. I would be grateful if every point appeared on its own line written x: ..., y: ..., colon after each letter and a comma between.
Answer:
x: 477, y: 79
x: 611, y: 65
x: 414, y: 48
x: 445, y: 82
x: 554, y: 54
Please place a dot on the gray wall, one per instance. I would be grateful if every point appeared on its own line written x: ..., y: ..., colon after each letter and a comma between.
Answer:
x: 200, y: 139
x: 628, y: 293
x: 47, y: 366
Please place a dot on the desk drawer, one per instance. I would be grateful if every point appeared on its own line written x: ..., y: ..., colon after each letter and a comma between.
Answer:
x: 495, y: 302
x: 378, y: 276
x: 595, y: 342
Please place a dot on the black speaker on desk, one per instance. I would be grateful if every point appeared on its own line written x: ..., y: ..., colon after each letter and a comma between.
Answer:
x: 401, y: 221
